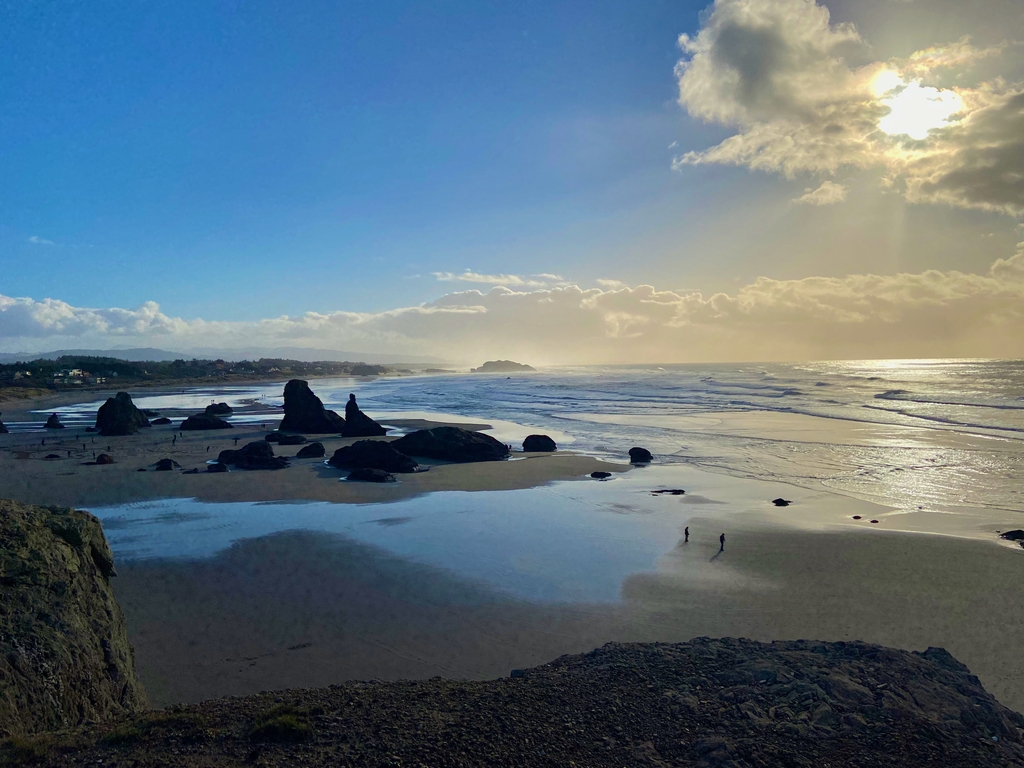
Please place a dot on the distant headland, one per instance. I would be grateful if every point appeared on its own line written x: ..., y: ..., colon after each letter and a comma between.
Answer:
x: 502, y: 366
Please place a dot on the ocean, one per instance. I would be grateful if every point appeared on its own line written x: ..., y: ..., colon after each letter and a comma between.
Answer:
x: 937, y: 434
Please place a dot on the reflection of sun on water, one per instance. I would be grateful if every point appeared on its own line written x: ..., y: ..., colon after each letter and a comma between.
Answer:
x: 914, y: 109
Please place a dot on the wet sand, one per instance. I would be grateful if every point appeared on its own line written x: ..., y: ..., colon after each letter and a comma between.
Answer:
x: 25, y: 475
x: 308, y: 609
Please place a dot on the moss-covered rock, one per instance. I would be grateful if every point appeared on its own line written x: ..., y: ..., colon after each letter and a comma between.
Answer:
x: 64, y: 651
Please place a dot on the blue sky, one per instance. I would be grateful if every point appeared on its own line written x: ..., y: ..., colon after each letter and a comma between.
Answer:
x: 235, y: 162
x: 204, y: 150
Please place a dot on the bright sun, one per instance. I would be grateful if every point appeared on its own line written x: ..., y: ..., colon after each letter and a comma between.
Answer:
x: 915, y: 109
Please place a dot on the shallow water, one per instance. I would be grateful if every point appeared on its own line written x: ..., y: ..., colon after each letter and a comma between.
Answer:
x: 570, y: 541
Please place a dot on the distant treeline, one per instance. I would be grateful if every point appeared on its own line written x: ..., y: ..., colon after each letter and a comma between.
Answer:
x: 74, y: 371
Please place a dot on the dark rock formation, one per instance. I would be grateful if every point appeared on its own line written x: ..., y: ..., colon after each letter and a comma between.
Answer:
x: 539, y: 444
x: 160, y: 422
x: 502, y: 366
x: 273, y: 437
x: 52, y: 456
x: 780, y: 502
x: 304, y: 412
x: 218, y: 409
x: 255, y: 455
x: 368, y: 475
x: 3, y: 429
x: 702, y: 704
x: 600, y: 475
x: 1015, y: 535
x: 451, y: 444
x: 104, y: 458
x: 668, y: 492
x: 203, y: 421
x: 291, y: 440
x: 53, y: 422
x: 64, y: 651
x: 372, y: 454
x: 149, y: 413
x: 166, y: 465
x: 217, y: 467
x: 358, y: 424
x: 640, y: 456
x: 311, y: 451
x: 119, y: 416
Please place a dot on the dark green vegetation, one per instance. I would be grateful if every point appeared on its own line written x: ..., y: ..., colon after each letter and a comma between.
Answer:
x: 705, y: 703
x: 64, y: 651
x: 77, y: 372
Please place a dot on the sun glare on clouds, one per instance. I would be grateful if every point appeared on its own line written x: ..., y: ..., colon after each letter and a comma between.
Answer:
x: 916, y: 109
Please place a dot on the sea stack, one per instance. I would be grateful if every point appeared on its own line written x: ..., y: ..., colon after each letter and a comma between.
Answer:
x: 64, y: 651
x: 304, y: 411
x: 358, y: 424
x: 119, y: 416
x: 3, y: 429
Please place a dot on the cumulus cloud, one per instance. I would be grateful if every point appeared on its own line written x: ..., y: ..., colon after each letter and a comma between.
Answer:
x: 533, y: 281
x: 828, y: 193
x: 778, y: 73
x: 932, y: 313
x: 36, y: 240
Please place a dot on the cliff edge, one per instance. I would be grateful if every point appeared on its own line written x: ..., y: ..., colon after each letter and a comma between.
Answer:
x: 65, y: 658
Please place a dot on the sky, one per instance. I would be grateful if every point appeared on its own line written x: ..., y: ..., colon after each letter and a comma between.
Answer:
x: 560, y: 182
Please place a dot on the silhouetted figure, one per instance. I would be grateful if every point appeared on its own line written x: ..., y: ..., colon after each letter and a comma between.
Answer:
x: 207, y: 449
x: 721, y: 543
x: 174, y: 440
x: 69, y: 454
x: 94, y: 440
x: 351, y: 409
x: 236, y: 441
x: 43, y: 442
x: 83, y: 446
x: 686, y: 534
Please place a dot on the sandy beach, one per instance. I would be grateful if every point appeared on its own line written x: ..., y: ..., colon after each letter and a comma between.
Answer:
x: 307, y: 608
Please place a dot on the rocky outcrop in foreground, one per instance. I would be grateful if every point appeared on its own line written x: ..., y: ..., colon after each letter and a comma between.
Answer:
x: 3, y: 429
x: 305, y: 412
x: 202, y: 421
x: 64, y: 651
x: 120, y: 416
x: 372, y: 454
x: 707, y: 703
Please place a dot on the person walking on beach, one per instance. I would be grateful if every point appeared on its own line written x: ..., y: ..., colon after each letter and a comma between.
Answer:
x: 721, y: 543
x: 686, y: 533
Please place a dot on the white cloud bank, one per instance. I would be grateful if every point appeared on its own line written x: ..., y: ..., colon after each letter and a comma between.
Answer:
x: 930, y: 314
x: 778, y: 73
x: 517, y: 281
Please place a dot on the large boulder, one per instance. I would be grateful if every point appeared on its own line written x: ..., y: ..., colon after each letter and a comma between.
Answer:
x: 104, y: 459
x: 203, y: 421
x: 54, y: 422
x: 256, y: 455
x: 64, y: 653
x: 358, y: 424
x: 160, y: 422
x: 166, y: 465
x: 539, y: 444
x: 218, y: 409
x: 119, y: 416
x: 289, y: 440
x: 372, y: 454
x: 311, y: 451
x: 3, y: 429
x: 304, y: 412
x: 640, y: 456
x: 451, y: 444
